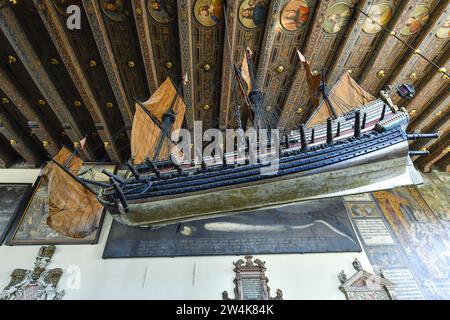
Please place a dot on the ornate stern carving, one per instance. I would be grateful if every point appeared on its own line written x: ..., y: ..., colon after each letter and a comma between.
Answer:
x: 364, y: 285
x: 251, y: 282
x: 36, y: 284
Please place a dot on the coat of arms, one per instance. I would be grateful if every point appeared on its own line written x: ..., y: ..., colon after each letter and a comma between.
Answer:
x: 36, y: 284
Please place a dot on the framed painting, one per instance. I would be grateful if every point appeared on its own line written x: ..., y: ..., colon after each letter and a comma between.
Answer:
x: 30, y: 227
x: 12, y: 198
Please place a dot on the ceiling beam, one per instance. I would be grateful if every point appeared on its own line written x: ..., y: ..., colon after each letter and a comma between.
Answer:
x: 272, y: 25
x: 414, y: 68
x: 18, y: 140
x: 7, y: 154
x: 232, y: 10
x: 354, y: 47
x: 434, y: 87
x: 444, y: 163
x: 35, y: 122
x: 18, y: 40
x: 389, y: 52
x: 95, y: 18
x: 317, y: 49
x: 143, y: 32
x: 435, y: 118
x: 437, y: 151
x: 185, y: 16
x: 57, y: 32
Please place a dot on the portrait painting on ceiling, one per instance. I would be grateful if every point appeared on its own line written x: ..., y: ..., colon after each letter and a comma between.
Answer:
x: 295, y: 15
x: 444, y: 31
x: 208, y: 12
x: 417, y: 19
x: 163, y: 11
x: 253, y: 13
x: 337, y: 17
x: 116, y: 10
x: 380, y: 15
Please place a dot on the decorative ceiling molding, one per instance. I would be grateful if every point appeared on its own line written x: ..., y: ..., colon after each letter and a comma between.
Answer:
x: 143, y: 32
x: 389, y: 52
x: 414, y: 67
x: 35, y: 122
x: 95, y: 18
x: 227, y: 66
x: 352, y: 52
x: 18, y: 40
x: 57, y: 32
x: 444, y: 163
x: 185, y: 16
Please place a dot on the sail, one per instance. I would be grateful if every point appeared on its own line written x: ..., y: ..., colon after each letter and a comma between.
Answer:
x: 345, y: 96
x: 246, y: 71
x: 313, y: 80
x: 73, y: 210
x: 146, y: 133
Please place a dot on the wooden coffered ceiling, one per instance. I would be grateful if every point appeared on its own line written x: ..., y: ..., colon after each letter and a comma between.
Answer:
x: 58, y: 85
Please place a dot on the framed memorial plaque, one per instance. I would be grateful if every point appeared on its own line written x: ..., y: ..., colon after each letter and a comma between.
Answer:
x: 12, y: 197
x: 30, y: 227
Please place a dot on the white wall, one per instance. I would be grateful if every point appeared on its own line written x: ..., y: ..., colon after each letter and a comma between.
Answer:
x: 299, y: 276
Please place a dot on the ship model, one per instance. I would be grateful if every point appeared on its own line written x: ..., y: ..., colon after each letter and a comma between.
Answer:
x: 352, y: 143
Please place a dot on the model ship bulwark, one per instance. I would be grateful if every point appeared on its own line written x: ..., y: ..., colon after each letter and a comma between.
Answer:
x: 373, y: 157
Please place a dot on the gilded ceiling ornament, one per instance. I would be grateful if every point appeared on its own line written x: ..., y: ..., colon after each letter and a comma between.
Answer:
x: 206, y: 107
x: 12, y: 59
x: 109, y: 104
x: 169, y: 65
x: 295, y: 15
x: 417, y: 19
x: 206, y: 67
x: 45, y: 143
x: 413, y: 75
x: 380, y: 74
x: 77, y: 103
x: 131, y: 64
x: 41, y: 102
x: 253, y: 13
x: 116, y: 10
x: 12, y: 142
x: 163, y: 11
x: 444, y: 31
x: 106, y: 144
x: 299, y: 110
x: 54, y: 61
x: 208, y: 12
x: 93, y: 63
x: 5, y: 100
x: 337, y: 17
x: 380, y: 14
x: 280, y: 69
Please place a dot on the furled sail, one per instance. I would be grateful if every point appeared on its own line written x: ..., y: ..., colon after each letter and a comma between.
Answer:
x: 73, y: 210
x: 345, y: 96
x: 164, y: 111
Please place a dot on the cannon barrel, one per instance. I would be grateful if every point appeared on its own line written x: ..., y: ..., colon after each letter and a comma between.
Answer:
x: 113, y: 176
x: 413, y: 153
x: 416, y: 136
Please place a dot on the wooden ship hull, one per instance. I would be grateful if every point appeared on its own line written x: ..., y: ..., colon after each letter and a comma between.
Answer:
x: 375, y: 158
